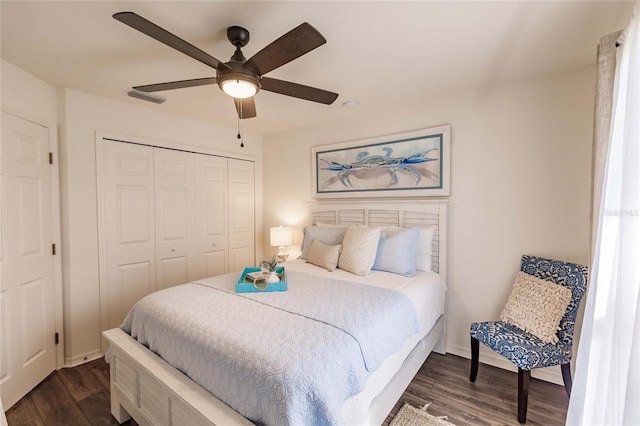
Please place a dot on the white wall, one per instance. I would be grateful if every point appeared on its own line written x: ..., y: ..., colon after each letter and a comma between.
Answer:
x: 81, y: 115
x: 27, y: 95
x: 520, y: 177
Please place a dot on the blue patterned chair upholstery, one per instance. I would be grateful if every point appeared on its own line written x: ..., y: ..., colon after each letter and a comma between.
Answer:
x: 525, y: 350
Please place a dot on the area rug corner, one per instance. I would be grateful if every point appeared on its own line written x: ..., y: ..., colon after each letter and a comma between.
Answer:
x: 412, y: 416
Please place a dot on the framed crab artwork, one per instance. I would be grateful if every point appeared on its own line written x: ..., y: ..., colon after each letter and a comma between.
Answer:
x: 411, y: 164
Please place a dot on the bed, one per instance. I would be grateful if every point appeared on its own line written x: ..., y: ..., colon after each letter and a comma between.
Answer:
x: 147, y: 388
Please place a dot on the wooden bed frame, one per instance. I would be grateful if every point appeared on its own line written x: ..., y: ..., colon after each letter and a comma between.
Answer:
x: 145, y: 387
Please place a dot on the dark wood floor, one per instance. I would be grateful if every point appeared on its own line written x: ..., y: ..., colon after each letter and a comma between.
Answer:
x: 80, y: 396
x: 491, y: 400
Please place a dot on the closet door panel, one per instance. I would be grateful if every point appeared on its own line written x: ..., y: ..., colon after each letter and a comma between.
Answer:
x: 210, y: 246
x: 172, y: 271
x: 215, y: 262
x: 169, y: 217
x: 241, y: 214
x: 129, y: 228
x: 174, y: 210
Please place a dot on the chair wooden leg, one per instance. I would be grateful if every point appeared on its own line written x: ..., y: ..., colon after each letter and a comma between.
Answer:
x: 475, y: 351
x: 566, y: 377
x: 524, y: 376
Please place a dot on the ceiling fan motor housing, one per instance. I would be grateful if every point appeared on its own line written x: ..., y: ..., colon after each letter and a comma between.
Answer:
x: 238, y: 72
x: 239, y: 37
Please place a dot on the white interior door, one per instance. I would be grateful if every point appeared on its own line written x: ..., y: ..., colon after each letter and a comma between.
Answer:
x: 27, y: 303
x: 210, y: 244
x: 175, y: 230
x: 241, y: 214
x: 127, y: 214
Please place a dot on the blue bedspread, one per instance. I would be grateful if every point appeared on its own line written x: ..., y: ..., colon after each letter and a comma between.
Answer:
x: 282, y: 358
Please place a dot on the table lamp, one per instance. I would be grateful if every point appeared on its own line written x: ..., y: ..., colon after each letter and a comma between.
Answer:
x: 281, y: 237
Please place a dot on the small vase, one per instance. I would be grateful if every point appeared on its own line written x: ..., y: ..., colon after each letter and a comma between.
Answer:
x: 273, y: 277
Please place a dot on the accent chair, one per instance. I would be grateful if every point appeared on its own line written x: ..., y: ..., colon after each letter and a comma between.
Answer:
x: 524, y: 349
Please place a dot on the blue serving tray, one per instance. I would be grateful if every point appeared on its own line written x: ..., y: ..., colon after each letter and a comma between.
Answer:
x: 245, y: 286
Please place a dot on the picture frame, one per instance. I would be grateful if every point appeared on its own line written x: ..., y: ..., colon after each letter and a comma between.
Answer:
x: 409, y: 164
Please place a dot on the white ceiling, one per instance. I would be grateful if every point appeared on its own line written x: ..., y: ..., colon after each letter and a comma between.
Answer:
x: 384, y: 54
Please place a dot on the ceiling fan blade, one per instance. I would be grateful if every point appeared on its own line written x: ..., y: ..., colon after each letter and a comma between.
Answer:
x: 139, y: 23
x: 300, y: 40
x: 298, y: 90
x: 176, y: 84
x: 248, y: 107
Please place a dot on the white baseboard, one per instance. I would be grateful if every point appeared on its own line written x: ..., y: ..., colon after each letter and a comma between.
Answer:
x: 82, y: 358
x: 549, y: 374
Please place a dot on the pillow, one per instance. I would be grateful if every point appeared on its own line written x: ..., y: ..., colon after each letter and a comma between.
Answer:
x: 423, y: 247
x: 397, y: 252
x: 327, y: 235
x: 323, y: 255
x: 536, y: 306
x: 359, y: 248
x: 329, y: 225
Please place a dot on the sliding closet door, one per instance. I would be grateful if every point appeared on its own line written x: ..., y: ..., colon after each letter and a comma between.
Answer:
x: 210, y: 243
x: 169, y: 217
x: 241, y: 214
x: 128, y: 261
x: 174, y: 208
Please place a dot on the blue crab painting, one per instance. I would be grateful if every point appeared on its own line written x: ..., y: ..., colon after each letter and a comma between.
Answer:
x: 368, y: 166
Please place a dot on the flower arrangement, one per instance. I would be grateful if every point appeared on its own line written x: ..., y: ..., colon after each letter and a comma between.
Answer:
x: 270, y: 264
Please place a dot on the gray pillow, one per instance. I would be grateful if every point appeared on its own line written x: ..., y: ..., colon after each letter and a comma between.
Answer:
x: 331, y: 236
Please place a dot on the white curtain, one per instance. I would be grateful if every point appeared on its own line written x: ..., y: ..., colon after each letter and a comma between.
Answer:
x: 607, y: 380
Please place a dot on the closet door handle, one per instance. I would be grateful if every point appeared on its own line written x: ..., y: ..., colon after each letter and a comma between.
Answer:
x: 173, y: 250
x: 214, y: 244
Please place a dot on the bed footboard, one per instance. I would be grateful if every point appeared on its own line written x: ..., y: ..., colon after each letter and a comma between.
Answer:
x: 145, y: 387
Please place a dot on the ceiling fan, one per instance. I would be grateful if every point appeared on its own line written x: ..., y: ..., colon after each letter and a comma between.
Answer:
x: 240, y: 78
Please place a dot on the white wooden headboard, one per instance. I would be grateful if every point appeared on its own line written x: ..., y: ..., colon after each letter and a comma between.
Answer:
x: 406, y: 214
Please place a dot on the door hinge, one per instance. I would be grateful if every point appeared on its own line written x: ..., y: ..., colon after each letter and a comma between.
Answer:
x: 51, y: 158
x: 53, y: 249
x: 57, y: 338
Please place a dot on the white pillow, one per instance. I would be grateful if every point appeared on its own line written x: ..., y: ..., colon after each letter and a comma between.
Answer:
x: 423, y: 248
x: 397, y: 253
x: 359, y: 248
x: 328, y: 235
x: 323, y: 255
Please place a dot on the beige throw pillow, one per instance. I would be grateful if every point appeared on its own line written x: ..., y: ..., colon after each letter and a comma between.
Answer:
x: 359, y: 248
x: 536, y: 306
x: 324, y: 255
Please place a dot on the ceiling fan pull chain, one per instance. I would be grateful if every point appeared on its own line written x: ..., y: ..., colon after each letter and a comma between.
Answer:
x: 240, y: 115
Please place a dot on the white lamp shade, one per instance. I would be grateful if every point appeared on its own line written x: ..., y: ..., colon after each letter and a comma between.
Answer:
x: 280, y: 236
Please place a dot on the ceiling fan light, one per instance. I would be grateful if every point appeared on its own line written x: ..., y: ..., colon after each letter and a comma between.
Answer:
x: 239, y: 89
